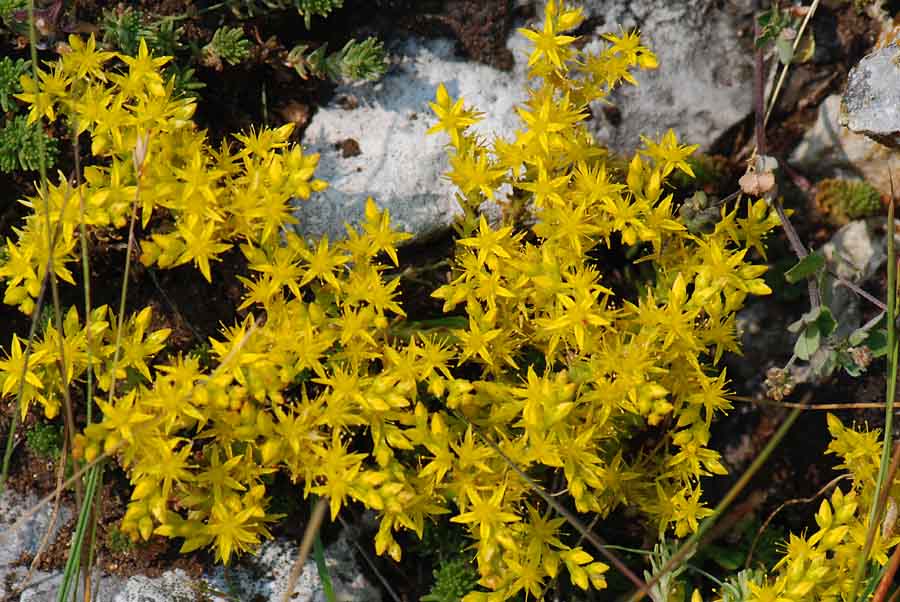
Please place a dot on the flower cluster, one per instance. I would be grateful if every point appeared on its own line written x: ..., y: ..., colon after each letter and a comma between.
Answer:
x: 150, y: 155
x: 821, y: 566
x: 606, y: 364
x: 555, y: 371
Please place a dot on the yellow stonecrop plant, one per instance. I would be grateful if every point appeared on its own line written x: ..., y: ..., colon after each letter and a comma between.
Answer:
x: 147, y: 148
x: 821, y: 565
x: 555, y: 370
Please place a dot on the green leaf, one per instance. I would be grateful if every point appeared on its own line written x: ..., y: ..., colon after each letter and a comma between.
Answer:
x: 809, y: 317
x: 858, y: 337
x: 806, y: 267
x: 813, y: 326
x: 785, y: 49
x: 825, y: 321
x: 877, y: 342
x: 808, y: 342
x: 874, y: 336
x: 849, y: 365
x: 824, y: 362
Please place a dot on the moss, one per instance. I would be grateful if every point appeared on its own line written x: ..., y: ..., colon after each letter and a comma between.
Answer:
x: 842, y: 200
x: 45, y: 439
x: 118, y: 542
x: 453, y: 579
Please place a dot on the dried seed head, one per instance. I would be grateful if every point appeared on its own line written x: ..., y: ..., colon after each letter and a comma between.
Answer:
x: 890, y: 518
x: 140, y: 151
x: 779, y: 383
x: 862, y: 356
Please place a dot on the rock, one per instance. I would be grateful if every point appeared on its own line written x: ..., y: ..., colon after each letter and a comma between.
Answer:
x: 401, y: 168
x: 398, y: 165
x: 828, y: 149
x: 871, y: 103
x: 25, y: 540
x: 265, y: 576
x: 854, y: 253
x: 703, y: 85
x: 260, y: 577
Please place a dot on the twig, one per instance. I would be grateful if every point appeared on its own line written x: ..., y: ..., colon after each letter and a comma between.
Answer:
x: 888, y: 577
x: 309, y: 536
x: 784, y: 70
x: 759, y: 92
x: 866, y: 405
x: 815, y: 298
x: 364, y: 553
x: 856, y: 289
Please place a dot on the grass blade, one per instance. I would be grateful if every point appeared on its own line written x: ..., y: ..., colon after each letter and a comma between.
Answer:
x: 319, y: 555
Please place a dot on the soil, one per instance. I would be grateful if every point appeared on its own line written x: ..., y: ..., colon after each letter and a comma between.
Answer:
x: 195, y: 309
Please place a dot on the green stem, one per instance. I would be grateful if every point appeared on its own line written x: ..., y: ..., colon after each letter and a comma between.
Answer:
x: 877, y: 507
x: 85, y: 275
x: 688, y: 546
x: 42, y: 170
x: 319, y: 555
x: 73, y: 562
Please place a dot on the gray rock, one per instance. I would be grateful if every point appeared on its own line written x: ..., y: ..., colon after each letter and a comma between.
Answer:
x: 400, y: 166
x: 871, y: 103
x: 854, y: 253
x: 265, y: 576
x: 171, y: 586
x: 828, y: 149
x: 261, y: 577
x: 17, y: 540
x: 703, y: 85
x: 700, y: 90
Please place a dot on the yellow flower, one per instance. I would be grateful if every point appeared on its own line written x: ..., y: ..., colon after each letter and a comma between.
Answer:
x: 548, y: 44
x: 669, y: 154
x: 83, y: 58
x: 490, y: 245
x: 143, y: 73
x: 201, y: 243
x: 487, y: 514
x: 382, y: 237
x: 452, y: 117
x: 322, y: 263
x: 42, y: 96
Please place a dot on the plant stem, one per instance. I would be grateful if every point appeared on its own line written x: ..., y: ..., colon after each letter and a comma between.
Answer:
x: 689, y: 546
x: 319, y: 555
x: 312, y: 529
x: 877, y: 507
x: 73, y: 563
x: 784, y: 70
